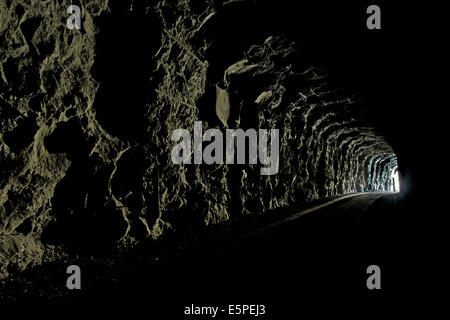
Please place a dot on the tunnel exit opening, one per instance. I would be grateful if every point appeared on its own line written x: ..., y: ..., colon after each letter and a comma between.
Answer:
x: 395, y: 181
x: 383, y: 173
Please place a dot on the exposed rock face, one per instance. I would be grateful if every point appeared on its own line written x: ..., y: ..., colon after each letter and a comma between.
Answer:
x: 46, y: 90
x: 86, y: 118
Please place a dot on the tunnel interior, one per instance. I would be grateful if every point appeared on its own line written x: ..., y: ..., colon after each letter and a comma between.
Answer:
x: 87, y: 158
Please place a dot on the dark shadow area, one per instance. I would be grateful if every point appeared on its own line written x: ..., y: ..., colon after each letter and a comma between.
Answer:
x: 320, y: 258
x: 82, y: 222
x: 125, y: 46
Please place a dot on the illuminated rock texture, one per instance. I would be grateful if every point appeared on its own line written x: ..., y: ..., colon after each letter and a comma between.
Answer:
x: 86, y: 118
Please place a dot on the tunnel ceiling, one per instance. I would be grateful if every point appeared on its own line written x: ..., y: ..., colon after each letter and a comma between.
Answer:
x: 86, y: 119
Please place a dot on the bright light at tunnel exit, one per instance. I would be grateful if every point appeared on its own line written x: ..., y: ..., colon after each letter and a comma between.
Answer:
x: 396, y: 181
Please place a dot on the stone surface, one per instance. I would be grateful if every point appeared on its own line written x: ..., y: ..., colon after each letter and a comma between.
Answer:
x: 86, y: 117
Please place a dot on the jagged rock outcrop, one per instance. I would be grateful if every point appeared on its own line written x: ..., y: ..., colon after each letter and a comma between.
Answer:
x: 87, y: 115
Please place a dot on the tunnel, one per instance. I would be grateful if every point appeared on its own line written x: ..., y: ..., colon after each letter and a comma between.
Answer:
x: 85, y: 140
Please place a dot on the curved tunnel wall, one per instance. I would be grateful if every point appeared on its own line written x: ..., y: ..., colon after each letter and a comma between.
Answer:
x: 77, y: 156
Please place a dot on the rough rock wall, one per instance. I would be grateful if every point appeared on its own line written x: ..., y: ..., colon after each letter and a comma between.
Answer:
x: 86, y: 118
x: 326, y: 146
x: 45, y: 82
